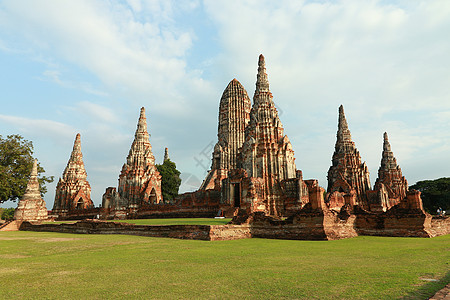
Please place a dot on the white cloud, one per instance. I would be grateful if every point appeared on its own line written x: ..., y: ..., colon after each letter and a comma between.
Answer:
x: 97, y: 112
x: 130, y: 56
x: 55, y: 76
x: 39, y: 127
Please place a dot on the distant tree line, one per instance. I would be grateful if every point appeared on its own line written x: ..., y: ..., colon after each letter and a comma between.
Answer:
x: 435, y: 194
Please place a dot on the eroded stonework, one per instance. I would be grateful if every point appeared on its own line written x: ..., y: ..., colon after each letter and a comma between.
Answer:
x: 347, y: 173
x: 265, y: 178
x: 267, y: 153
x: 254, y: 178
x: 234, y: 116
x: 391, y: 186
x: 73, y: 191
x: 139, y: 180
x: 31, y: 207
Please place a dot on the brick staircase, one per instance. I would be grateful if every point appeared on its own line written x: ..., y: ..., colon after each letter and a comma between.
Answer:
x: 10, y: 226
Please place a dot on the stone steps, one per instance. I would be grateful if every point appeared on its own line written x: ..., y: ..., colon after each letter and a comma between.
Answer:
x: 10, y: 226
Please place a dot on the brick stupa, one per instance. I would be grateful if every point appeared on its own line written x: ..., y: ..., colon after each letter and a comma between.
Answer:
x: 31, y: 207
x: 139, y: 180
x: 166, y: 154
x: 347, y: 174
x: 234, y: 116
x: 73, y: 191
x: 267, y: 153
x: 391, y: 186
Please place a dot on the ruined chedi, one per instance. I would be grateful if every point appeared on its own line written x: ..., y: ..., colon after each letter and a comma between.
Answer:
x: 390, y: 176
x: 166, y: 154
x: 31, y: 207
x: 73, y: 191
x: 267, y: 153
x: 139, y: 180
x: 234, y: 116
x: 347, y: 173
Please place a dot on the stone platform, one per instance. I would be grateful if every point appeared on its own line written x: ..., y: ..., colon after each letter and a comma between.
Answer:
x: 311, y: 226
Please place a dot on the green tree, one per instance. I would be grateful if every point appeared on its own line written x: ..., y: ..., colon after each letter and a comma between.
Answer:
x: 170, y: 181
x: 16, y: 161
x: 7, y: 213
x: 435, y: 194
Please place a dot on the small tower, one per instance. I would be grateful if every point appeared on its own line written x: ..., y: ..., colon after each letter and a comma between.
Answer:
x: 347, y: 172
x: 166, y: 154
x: 139, y: 180
x: 390, y: 175
x: 73, y: 191
x: 31, y: 207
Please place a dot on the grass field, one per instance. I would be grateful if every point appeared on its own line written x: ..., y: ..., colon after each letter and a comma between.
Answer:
x: 181, y: 221
x: 73, y: 266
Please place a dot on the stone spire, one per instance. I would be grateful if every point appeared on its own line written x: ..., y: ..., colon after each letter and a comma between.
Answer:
x: 73, y: 191
x: 75, y: 166
x: 343, y: 135
x: 166, y: 154
x: 388, y: 160
x: 31, y: 207
x: 33, y: 191
x: 141, y: 149
x: 267, y: 153
x: 139, y: 180
x: 262, y: 81
x: 234, y: 115
x: 347, y: 172
x: 390, y: 174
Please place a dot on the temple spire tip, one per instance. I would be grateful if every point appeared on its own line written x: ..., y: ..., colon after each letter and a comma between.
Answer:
x: 34, y: 169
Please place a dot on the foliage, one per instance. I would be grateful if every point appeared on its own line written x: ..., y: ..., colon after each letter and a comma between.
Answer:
x: 435, y: 193
x: 170, y: 181
x: 93, y: 266
x: 7, y: 213
x: 16, y: 162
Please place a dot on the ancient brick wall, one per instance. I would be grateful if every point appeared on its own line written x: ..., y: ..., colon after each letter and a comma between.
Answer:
x: 193, y: 232
x: 439, y: 226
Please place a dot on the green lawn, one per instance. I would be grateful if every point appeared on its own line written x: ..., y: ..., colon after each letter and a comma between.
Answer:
x: 181, y: 221
x: 73, y: 266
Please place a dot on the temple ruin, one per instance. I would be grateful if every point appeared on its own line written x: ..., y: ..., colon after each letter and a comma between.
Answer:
x: 254, y: 179
x: 234, y: 116
x: 139, y: 180
x: 31, y: 206
x: 347, y: 174
x: 266, y: 176
x: 391, y: 186
x: 73, y: 191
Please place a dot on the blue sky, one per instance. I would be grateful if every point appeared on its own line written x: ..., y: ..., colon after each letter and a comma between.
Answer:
x: 88, y: 66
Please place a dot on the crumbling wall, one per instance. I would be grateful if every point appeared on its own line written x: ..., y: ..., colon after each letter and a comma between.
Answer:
x: 193, y: 232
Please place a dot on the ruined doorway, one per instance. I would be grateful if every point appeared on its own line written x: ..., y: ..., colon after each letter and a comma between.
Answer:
x: 152, y: 198
x: 80, y: 203
x: 236, y: 194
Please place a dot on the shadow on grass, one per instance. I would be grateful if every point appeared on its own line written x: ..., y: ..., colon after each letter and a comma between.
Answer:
x: 429, y: 289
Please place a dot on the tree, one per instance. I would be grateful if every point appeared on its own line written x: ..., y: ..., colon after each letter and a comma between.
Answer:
x: 16, y: 161
x: 435, y: 194
x: 7, y: 213
x: 170, y: 181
